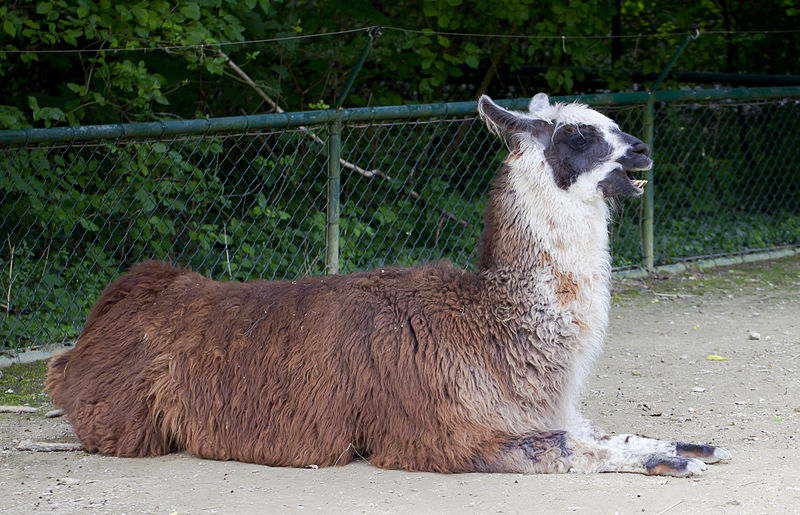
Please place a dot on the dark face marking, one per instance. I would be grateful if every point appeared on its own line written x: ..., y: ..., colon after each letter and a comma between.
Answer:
x: 617, y: 184
x: 573, y: 150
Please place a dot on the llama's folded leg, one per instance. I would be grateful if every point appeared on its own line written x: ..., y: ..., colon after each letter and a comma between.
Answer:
x: 564, y: 451
x: 537, y: 453
x: 706, y: 453
x: 640, y: 445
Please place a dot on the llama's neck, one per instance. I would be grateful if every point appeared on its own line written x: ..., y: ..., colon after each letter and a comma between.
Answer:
x: 529, y: 229
x: 546, y: 251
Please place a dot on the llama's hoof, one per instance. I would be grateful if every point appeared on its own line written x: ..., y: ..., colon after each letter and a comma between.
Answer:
x: 677, y: 466
x: 720, y: 453
x: 706, y: 453
x: 694, y: 466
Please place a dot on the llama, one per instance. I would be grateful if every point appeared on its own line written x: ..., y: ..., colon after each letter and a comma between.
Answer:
x: 429, y: 368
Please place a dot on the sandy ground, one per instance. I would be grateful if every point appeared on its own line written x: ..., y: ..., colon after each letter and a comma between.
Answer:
x: 654, y: 379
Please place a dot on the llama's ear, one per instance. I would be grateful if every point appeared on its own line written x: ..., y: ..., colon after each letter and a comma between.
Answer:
x: 538, y: 102
x: 505, y: 123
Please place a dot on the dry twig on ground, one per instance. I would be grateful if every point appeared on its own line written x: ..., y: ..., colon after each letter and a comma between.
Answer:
x: 18, y: 409
x: 30, y: 445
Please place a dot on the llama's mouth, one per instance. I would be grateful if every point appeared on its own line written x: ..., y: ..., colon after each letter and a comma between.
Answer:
x: 635, y: 160
x: 620, y: 183
x: 637, y: 183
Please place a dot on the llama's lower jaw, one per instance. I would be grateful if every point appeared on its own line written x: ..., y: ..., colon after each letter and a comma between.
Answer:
x: 619, y: 183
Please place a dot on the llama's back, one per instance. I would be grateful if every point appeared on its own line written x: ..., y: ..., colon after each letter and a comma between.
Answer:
x: 171, y: 360
x: 302, y: 372
x: 280, y: 373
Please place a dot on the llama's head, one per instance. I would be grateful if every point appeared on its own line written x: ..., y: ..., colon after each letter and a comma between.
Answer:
x: 569, y: 149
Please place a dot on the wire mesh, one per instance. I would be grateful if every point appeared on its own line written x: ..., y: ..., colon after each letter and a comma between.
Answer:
x: 727, y: 178
x: 253, y: 204
x: 230, y: 206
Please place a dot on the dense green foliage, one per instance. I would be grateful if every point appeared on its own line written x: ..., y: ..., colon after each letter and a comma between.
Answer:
x: 429, y: 51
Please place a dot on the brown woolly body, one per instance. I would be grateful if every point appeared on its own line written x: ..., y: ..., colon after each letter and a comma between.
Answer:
x: 399, y: 364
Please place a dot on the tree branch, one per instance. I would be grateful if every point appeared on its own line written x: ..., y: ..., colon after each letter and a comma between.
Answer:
x: 346, y: 164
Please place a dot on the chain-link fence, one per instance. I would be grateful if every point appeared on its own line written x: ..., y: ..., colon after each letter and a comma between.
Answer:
x: 258, y: 196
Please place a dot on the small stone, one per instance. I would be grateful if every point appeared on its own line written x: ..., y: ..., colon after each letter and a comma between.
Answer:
x: 754, y: 336
x: 698, y: 389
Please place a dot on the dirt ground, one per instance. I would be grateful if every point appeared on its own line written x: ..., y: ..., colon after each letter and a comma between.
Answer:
x: 655, y: 378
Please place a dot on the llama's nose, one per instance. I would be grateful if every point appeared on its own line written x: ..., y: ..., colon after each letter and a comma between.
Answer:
x: 637, y: 146
x: 640, y: 147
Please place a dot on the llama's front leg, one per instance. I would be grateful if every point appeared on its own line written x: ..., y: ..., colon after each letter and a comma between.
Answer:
x: 641, y: 445
x: 632, y: 443
x: 565, y: 451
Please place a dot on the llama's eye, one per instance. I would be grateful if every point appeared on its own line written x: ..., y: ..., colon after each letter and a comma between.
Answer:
x: 577, y: 140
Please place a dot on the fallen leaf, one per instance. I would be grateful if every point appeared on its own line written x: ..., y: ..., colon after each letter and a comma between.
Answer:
x: 715, y: 357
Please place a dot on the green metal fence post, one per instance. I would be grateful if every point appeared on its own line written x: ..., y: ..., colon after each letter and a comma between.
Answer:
x: 649, y: 196
x: 334, y: 188
x: 374, y: 33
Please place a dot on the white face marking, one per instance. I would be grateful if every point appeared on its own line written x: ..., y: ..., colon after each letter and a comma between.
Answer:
x: 560, y: 114
x: 585, y: 187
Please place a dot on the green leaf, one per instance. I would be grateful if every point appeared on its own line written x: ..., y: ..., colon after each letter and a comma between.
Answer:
x: 71, y: 36
x: 88, y: 225
x: 44, y: 8
x: 191, y: 11
x: 49, y: 114
x: 9, y: 28
x: 11, y: 117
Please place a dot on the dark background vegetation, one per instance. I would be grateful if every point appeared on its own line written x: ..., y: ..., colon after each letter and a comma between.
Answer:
x: 422, y: 56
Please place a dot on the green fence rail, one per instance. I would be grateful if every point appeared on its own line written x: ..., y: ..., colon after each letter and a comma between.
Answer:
x: 291, y: 194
